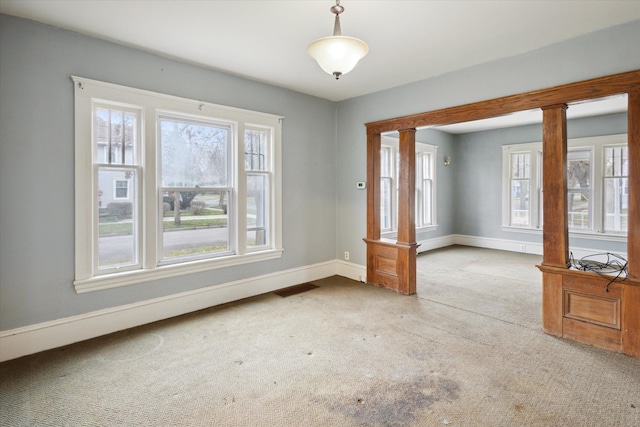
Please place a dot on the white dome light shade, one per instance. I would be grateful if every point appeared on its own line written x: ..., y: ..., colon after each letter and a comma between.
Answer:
x: 338, y: 55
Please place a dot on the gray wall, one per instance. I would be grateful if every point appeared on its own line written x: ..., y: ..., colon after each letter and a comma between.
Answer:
x: 37, y: 169
x: 610, y: 51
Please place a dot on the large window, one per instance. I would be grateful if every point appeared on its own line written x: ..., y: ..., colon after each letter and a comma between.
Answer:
x: 168, y: 186
x: 425, y: 215
x: 597, y: 185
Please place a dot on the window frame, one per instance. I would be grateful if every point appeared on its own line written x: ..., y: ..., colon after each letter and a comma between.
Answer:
x: 391, y: 145
x: 152, y: 105
x: 596, y: 145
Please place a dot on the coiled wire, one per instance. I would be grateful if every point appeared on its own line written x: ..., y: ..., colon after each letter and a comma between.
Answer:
x: 614, y: 265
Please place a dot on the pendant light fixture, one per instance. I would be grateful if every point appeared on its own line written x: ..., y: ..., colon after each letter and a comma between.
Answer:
x: 337, y: 54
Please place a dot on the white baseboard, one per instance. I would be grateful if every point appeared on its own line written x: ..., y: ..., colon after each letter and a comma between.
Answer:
x: 32, y: 339
x: 436, y: 243
x: 352, y: 271
x: 500, y: 244
x: 520, y: 246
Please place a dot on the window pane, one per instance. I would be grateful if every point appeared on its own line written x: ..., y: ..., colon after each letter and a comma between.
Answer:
x: 255, y: 150
x: 579, y: 209
x: 616, y: 161
x: 194, y: 223
x: 115, y: 136
x: 579, y: 169
x: 257, y: 209
x: 117, y: 218
x: 427, y: 202
x: 385, y: 204
x: 616, y: 200
x: 426, y: 165
x: 194, y: 154
x: 579, y: 189
x: 520, y: 166
x: 385, y: 161
x: 520, y: 202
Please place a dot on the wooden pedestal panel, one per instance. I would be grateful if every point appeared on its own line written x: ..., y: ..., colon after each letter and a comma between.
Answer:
x: 592, y: 308
x: 392, y: 266
x: 577, y: 306
x: 592, y: 334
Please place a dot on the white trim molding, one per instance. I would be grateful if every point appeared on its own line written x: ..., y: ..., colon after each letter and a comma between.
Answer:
x: 32, y: 339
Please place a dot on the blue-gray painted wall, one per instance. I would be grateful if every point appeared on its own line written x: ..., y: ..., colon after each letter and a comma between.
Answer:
x: 37, y: 168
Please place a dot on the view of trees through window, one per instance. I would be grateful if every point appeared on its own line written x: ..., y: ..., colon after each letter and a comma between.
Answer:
x: 195, y: 177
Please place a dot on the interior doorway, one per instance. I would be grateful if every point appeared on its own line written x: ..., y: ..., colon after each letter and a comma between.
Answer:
x: 569, y: 296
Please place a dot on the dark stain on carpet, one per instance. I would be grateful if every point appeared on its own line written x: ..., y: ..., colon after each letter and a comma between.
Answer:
x: 294, y: 290
x: 396, y: 404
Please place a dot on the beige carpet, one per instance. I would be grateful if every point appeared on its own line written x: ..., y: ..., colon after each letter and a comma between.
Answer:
x: 466, y: 351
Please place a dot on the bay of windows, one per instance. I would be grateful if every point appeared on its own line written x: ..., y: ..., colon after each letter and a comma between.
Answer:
x: 597, y: 185
x: 168, y: 186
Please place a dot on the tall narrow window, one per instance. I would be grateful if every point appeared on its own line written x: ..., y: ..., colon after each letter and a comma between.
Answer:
x: 116, y: 136
x: 424, y: 189
x: 257, y: 166
x: 387, y: 187
x: 520, y: 214
x: 196, y: 187
x: 579, y: 200
x: 616, y: 188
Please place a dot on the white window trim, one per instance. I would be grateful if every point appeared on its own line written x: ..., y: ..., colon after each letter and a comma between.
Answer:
x: 86, y: 92
x: 596, y: 145
x: 394, y: 143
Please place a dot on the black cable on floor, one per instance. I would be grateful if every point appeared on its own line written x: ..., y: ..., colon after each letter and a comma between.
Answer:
x: 613, y: 264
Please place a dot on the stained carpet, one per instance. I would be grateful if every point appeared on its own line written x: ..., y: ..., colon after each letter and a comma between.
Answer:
x: 466, y: 351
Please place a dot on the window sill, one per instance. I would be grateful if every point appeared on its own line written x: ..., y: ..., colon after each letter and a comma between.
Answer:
x: 427, y: 228
x: 392, y: 235
x: 576, y: 234
x: 115, y: 280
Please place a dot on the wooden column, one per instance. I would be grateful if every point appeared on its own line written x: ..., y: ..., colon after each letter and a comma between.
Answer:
x: 633, y: 142
x: 392, y: 265
x: 373, y: 185
x: 406, y: 242
x: 554, y: 186
x: 555, y: 219
x: 407, y: 188
x: 630, y: 309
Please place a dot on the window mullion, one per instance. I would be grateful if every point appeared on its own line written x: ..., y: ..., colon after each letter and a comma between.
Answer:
x: 240, y: 176
x: 151, y: 194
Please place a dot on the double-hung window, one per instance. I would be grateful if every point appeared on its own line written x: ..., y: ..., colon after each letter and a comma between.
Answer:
x: 425, y: 189
x: 597, y: 185
x: 520, y: 189
x: 425, y: 215
x: 168, y: 186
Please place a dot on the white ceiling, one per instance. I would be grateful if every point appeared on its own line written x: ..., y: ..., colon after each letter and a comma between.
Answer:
x: 596, y: 107
x: 267, y: 40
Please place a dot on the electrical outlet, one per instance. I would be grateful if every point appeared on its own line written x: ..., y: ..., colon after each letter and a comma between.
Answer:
x: 346, y: 255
